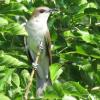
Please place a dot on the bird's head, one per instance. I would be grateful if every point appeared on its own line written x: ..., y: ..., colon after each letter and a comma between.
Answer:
x: 42, y: 13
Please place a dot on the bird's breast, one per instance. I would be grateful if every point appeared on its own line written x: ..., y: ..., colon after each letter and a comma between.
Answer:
x: 35, y: 36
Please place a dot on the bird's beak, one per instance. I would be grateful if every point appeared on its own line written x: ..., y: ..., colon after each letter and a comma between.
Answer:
x: 53, y: 10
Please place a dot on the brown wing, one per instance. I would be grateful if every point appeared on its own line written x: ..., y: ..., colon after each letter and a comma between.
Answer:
x: 48, y: 46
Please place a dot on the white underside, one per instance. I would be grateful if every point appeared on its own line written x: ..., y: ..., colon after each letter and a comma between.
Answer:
x: 35, y: 36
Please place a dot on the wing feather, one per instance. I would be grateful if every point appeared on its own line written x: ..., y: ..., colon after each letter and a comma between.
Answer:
x: 48, y: 46
x: 31, y: 60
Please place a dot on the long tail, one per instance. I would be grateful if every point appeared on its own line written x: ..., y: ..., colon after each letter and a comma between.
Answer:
x: 41, y: 85
x: 42, y: 76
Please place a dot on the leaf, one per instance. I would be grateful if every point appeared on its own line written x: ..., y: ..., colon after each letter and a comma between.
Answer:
x: 55, y: 71
x: 80, y: 50
x: 71, y: 88
x: 25, y: 74
x: 13, y: 8
x: 7, y: 1
x: 25, y: 77
x: 68, y: 33
x: 83, y: 2
x: 16, y: 29
x: 3, y: 21
x: 4, y: 80
x: 69, y: 56
x: 91, y: 11
x: 87, y: 37
x: 4, y: 97
x: 88, y: 51
x: 66, y: 97
x: 16, y: 79
x: 74, y: 89
x: 55, y: 92
x: 10, y: 61
x: 92, y: 5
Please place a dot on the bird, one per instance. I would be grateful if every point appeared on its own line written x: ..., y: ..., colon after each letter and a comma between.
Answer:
x: 38, y: 33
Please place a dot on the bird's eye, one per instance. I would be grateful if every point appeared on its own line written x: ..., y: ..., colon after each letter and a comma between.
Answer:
x: 42, y: 10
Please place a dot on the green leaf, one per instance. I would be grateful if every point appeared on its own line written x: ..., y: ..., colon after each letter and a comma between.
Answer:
x: 25, y: 74
x: 92, y: 5
x: 7, y: 1
x: 10, y: 61
x: 66, y: 97
x: 16, y: 29
x: 88, y: 51
x: 13, y: 8
x: 55, y: 71
x: 4, y: 79
x: 83, y: 2
x: 4, y: 97
x: 68, y: 33
x: 79, y: 49
x: 74, y: 89
x: 16, y: 79
x: 93, y: 11
x: 3, y: 21
x: 25, y: 77
x: 71, y: 88
x: 88, y: 38
x: 56, y: 92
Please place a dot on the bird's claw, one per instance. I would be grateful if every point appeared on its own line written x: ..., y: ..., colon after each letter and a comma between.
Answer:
x: 34, y: 65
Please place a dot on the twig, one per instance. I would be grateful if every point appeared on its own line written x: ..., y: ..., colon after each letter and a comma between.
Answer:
x: 29, y: 85
x: 32, y: 74
x: 62, y: 50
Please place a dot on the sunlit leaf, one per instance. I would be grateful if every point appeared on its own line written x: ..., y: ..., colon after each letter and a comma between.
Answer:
x: 8, y: 60
x: 7, y: 1
x: 66, y: 97
x: 92, y: 5
x: 15, y: 79
x: 3, y: 21
x: 4, y: 97
x: 5, y: 78
x: 16, y: 29
x: 55, y: 71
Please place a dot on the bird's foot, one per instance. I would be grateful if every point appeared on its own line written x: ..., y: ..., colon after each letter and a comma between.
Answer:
x: 34, y: 65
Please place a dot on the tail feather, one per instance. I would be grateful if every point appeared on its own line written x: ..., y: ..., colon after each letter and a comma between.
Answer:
x: 41, y: 85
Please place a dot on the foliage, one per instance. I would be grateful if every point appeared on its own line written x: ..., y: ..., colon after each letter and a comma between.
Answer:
x: 75, y: 33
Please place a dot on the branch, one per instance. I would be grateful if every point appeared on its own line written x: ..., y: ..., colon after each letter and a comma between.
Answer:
x: 32, y: 73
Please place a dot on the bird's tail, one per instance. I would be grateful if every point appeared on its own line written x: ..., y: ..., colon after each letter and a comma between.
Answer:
x: 41, y: 85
